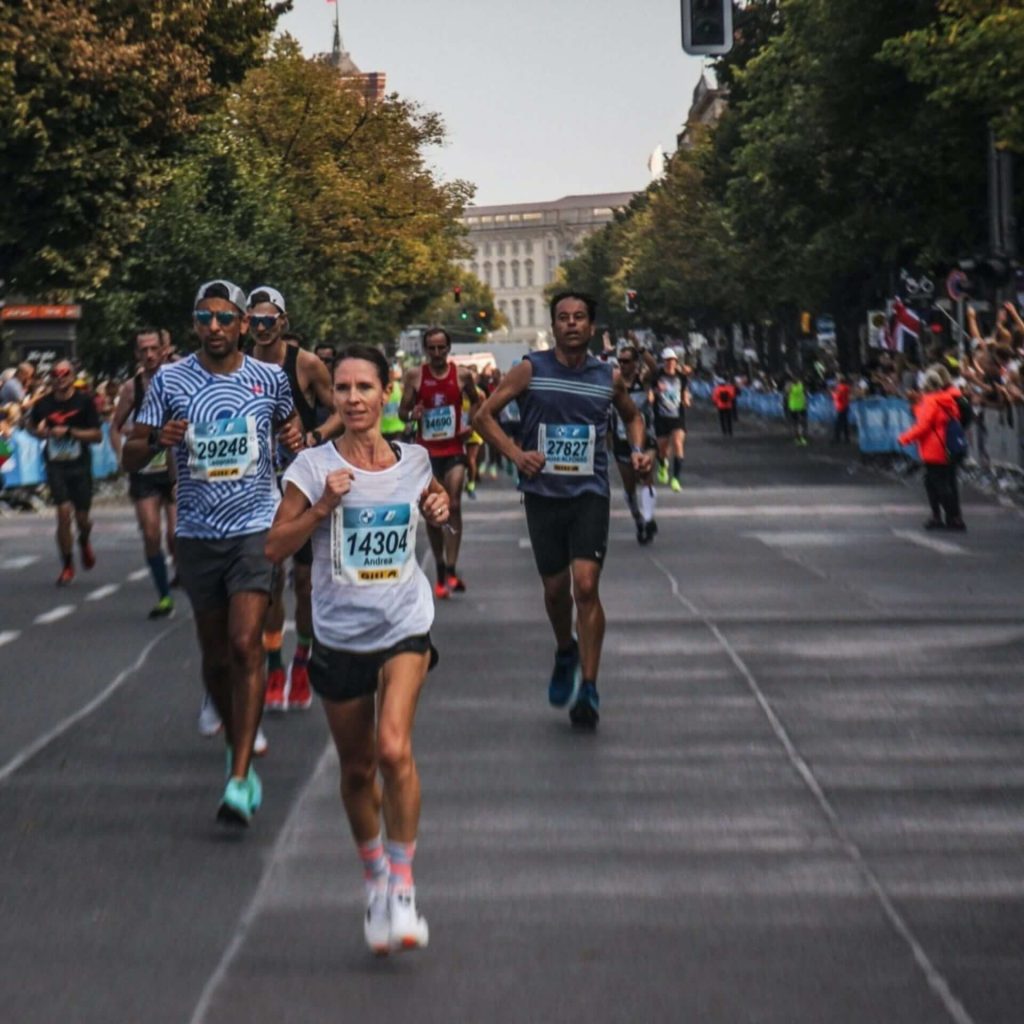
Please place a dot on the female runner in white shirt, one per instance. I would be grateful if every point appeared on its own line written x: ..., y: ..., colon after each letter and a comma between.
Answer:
x: 360, y: 498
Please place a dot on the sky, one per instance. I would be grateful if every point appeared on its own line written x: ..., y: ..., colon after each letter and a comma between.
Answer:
x: 541, y: 98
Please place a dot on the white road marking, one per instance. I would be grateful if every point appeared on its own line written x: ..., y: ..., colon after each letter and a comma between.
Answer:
x: 62, y: 611
x: 287, y: 837
x: 19, y: 562
x: 524, y: 543
x: 9, y: 636
x: 101, y: 592
x: 139, y: 574
x: 27, y: 753
x: 936, y: 981
x: 943, y: 547
x: 804, y: 539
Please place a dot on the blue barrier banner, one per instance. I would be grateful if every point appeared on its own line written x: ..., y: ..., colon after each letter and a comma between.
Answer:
x: 26, y: 467
x: 880, y: 421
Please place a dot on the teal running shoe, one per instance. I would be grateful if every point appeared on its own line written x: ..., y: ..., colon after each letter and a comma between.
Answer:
x: 584, y: 712
x: 565, y: 679
x: 236, y: 804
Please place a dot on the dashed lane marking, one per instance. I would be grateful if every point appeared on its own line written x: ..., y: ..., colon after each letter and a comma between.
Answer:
x: 139, y: 574
x: 101, y: 592
x: 62, y: 611
x: 943, y: 547
x: 9, y: 636
x: 18, y: 562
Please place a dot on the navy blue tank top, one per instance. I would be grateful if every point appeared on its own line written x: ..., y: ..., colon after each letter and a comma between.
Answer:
x: 565, y: 416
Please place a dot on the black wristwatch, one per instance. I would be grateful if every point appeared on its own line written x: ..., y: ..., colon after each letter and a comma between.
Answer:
x: 154, y: 439
x: 318, y: 438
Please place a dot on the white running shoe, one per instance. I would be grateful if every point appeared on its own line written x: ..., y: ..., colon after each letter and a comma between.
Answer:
x: 377, y: 922
x: 259, y: 748
x: 209, y: 720
x: 408, y: 930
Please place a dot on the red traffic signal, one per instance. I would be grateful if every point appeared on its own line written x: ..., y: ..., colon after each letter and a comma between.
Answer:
x: 457, y: 292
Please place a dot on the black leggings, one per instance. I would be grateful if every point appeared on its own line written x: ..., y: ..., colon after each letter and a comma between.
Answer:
x: 941, y: 487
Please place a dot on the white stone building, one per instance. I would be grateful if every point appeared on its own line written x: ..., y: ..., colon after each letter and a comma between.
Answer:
x: 518, y: 248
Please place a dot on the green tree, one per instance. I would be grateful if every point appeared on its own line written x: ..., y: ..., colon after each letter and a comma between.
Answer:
x: 95, y: 97
x: 969, y: 57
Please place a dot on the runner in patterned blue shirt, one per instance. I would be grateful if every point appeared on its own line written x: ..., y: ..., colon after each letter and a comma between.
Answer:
x: 218, y: 410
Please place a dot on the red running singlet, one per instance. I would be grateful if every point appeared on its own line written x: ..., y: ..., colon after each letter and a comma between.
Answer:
x: 442, y: 413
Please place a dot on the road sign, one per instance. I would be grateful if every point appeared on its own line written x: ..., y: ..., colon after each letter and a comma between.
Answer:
x: 956, y: 285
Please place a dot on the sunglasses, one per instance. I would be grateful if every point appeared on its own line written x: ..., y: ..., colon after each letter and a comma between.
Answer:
x: 61, y: 374
x: 204, y: 317
x: 266, y: 320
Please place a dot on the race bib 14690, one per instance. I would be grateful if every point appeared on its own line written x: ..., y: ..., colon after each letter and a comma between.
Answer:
x: 439, y: 424
x: 222, y: 450
x: 372, y: 544
x: 568, y: 448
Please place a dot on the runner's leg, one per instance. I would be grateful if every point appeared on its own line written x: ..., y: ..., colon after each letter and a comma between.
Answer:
x: 558, y: 604
x: 590, y: 622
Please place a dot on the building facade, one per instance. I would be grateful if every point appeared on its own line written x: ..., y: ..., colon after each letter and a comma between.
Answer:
x: 517, y: 250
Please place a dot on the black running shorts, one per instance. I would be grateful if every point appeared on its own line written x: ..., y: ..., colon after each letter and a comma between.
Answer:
x: 151, y: 485
x: 664, y: 425
x: 348, y: 675
x: 564, y: 529
x: 70, y: 483
x: 442, y: 465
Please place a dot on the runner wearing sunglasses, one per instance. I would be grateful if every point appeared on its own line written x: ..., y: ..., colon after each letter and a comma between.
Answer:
x: 218, y: 409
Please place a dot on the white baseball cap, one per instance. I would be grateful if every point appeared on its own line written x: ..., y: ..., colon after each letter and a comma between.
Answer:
x: 669, y: 353
x: 264, y: 293
x: 235, y: 294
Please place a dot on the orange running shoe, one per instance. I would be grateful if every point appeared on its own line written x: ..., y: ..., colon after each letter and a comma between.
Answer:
x: 88, y: 555
x: 455, y: 585
x: 440, y: 591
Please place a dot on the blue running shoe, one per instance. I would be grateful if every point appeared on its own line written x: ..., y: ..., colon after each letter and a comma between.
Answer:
x: 236, y: 804
x: 583, y: 714
x: 565, y: 679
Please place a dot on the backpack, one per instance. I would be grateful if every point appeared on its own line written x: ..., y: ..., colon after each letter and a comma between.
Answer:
x: 956, y: 442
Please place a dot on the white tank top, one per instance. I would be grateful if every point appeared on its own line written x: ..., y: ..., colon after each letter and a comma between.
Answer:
x: 368, y: 589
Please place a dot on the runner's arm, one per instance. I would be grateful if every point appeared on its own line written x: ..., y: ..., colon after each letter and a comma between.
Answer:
x: 408, y: 408
x: 117, y: 421
x: 145, y: 441
x: 628, y: 413
x: 289, y: 432
x: 323, y: 392
x: 512, y: 385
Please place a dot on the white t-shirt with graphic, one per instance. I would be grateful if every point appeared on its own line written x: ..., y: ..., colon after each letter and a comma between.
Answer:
x: 368, y: 589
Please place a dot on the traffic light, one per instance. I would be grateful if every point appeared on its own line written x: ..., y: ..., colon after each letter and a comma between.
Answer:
x: 457, y: 292
x: 707, y: 27
x: 631, y: 300
x: 463, y: 315
x: 805, y: 323
x: 482, y: 315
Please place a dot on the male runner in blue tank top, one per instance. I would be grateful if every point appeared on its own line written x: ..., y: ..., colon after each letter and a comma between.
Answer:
x: 564, y: 397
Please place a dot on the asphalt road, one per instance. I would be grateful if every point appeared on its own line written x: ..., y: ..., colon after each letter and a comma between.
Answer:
x: 803, y: 804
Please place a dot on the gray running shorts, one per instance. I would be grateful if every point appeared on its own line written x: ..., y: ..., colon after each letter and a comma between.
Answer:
x: 211, y: 571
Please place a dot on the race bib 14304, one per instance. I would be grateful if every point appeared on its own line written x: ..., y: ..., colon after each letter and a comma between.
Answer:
x: 222, y: 450
x: 568, y: 448
x: 372, y: 544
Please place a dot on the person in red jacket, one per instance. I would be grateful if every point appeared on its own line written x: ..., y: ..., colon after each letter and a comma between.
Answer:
x: 936, y: 407
x: 841, y: 404
x: 723, y: 397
